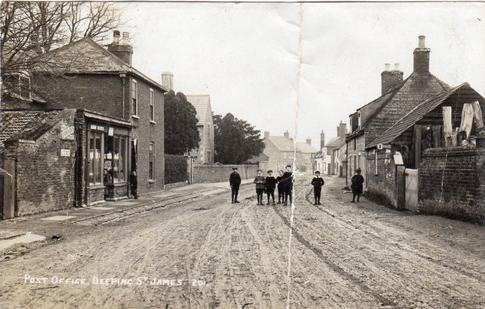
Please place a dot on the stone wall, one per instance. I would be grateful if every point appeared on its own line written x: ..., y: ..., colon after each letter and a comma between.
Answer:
x: 452, y: 183
x: 220, y: 173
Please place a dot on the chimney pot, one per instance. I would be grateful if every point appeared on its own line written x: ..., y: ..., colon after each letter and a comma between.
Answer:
x: 286, y: 134
x: 116, y: 36
x: 422, y: 41
x: 309, y: 141
x: 126, y: 37
x: 266, y: 134
x: 387, y: 67
x: 396, y: 66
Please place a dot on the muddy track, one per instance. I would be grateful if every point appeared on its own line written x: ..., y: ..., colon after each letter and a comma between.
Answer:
x: 378, y: 237
x: 348, y: 276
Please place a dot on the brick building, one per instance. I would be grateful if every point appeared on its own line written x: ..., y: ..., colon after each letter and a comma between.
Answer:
x: 281, y: 150
x: 119, y: 116
x: 336, y: 148
x: 205, y: 125
x: 396, y: 156
x: 398, y: 97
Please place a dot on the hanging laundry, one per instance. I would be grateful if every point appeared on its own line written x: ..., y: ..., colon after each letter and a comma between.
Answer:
x: 447, y: 126
x: 477, y: 115
x: 467, y: 115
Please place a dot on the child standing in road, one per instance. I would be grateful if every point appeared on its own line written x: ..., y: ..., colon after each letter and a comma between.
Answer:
x: 317, y: 183
x: 357, y: 185
x: 281, y: 193
x: 260, y: 186
x: 270, y: 186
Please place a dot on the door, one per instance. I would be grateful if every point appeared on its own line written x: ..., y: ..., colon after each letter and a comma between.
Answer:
x: 411, y: 184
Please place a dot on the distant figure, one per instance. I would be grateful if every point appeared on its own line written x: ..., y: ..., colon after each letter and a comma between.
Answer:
x: 317, y: 183
x: 260, y: 182
x: 357, y: 185
x: 234, y: 182
x: 134, y: 184
x: 288, y: 185
x: 270, y: 186
x: 281, y: 193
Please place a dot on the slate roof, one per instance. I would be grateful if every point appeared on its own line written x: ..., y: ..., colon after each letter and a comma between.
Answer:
x: 414, y: 116
x: 305, y: 148
x: 86, y: 56
x: 282, y: 143
x: 202, y: 106
x: 25, y: 124
x: 336, y: 142
x: 399, y: 101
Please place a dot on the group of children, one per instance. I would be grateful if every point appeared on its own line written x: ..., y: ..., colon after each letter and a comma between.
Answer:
x: 284, y: 182
x: 268, y: 184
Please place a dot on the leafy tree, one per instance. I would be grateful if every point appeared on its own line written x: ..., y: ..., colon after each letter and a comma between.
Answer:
x: 181, y: 134
x: 235, y: 140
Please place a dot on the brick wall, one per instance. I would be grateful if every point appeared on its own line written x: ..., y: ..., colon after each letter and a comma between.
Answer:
x: 45, y: 179
x: 145, y: 132
x: 220, y: 173
x: 100, y: 93
x: 452, y: 183
x: 381, y: 186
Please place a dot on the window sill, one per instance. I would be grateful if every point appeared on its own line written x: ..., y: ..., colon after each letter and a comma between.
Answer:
x: 151, y: 181
x: 119, y: 184
x: 152, y: 122
x: 135, y: 117
x: 96, y: 186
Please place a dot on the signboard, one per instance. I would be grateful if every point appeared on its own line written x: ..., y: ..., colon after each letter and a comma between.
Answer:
x: 110, y: 131
x: 65, y: 152
x: 398, y: 159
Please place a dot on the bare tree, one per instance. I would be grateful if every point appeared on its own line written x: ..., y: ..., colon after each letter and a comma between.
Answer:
x: 29, y: 29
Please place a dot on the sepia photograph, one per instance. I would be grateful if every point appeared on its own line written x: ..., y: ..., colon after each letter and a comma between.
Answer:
x: 242, y: 155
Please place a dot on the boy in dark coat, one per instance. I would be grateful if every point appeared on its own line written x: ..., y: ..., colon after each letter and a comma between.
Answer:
x: 134, y: 184
x: 288, y: 185
x: 260, y: 186
x: 234, y: 182
x: 270, y: 186
x: 281, y: 193
x: 357, y: 185
x: 317, y: 183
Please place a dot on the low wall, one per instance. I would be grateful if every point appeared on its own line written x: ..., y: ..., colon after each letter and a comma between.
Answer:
x: 381, y: 184
x: 452, y: 183
x: 220, y: 173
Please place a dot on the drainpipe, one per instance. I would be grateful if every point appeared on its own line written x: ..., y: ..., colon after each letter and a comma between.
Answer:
x: 123, y: 78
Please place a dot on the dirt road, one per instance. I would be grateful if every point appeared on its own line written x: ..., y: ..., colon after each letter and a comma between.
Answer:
x: 211, y: 254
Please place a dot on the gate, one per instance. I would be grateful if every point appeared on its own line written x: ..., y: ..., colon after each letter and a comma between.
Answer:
x: 411, y: 194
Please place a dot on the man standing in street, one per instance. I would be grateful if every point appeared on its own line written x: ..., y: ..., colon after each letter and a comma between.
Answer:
x: 288, y: 185
x: 317, y: 183
x: 234, y: 182
x: 357, y: 185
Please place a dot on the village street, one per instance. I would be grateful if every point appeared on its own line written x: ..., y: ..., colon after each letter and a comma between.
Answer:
x: 220, y: 255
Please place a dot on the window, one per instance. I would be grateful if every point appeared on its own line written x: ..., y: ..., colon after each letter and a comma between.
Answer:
x: 18, y: 83
x: 95, y: 157
x: 152, y: 105
x: 134, y: 97
x: 151, y: 166
x: 119, y: 158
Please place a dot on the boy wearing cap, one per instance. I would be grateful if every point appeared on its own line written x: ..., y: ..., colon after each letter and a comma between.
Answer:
x: 234, y: 182
x: 260, y: 186
x: 270, y: 186
x: 317, y: 183
x: 288, y: 185
x: 281, y: 193
x: 357, y: 185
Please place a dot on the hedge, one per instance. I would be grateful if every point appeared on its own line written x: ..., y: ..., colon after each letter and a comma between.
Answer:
x: 175, y: 168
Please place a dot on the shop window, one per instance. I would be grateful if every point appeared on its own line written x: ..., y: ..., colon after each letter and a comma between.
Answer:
x: 152, y: 105
x: 119, y: 158
x: 134, y: 97
x: 95, y: 157
x: 151, y: 163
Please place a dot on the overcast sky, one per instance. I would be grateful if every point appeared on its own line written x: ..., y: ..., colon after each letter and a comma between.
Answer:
x: 246, y: 55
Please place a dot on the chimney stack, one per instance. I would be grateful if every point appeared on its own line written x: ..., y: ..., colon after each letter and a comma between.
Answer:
x: 266, y: 134
x: 123, y: 49
x: 322, y: 140
x: 309, y: 141
x: 167, y: 80
x: 286, y: 134
x: 421, y: 57
x: 390, y: 78
x: 342, y: 129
